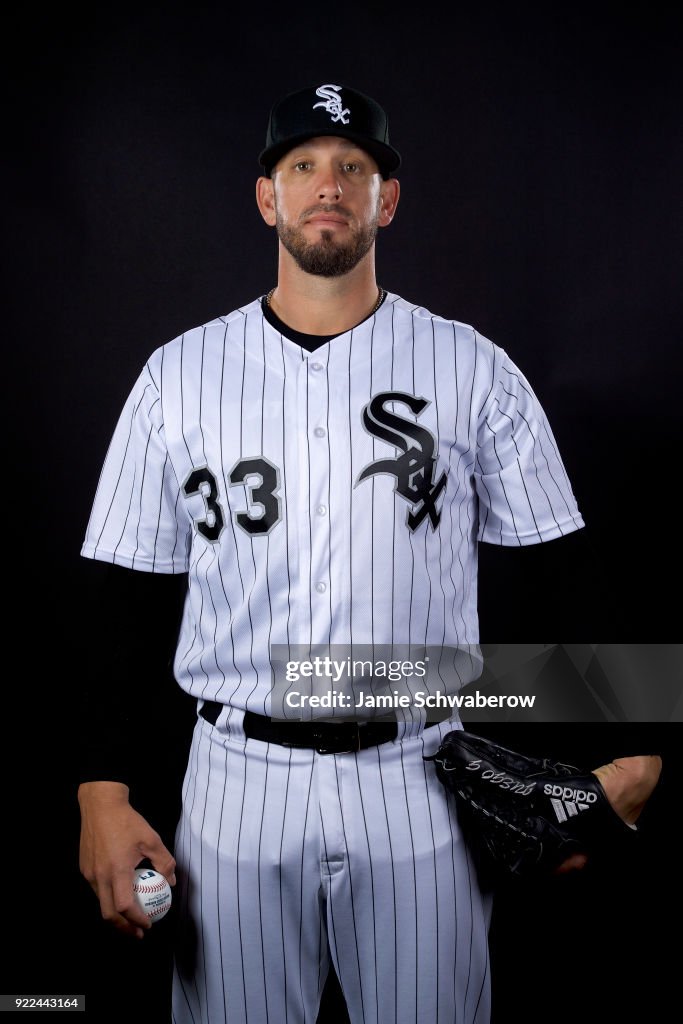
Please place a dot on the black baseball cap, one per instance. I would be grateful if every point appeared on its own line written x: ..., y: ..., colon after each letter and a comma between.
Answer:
x: 329, y: 110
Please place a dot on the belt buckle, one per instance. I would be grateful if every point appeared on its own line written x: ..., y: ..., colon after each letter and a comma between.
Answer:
x: 323, y: 745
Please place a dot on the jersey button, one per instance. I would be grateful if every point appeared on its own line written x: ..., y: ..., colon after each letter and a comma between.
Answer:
x: 319, y: 431
x: 321, y: 510
x: 321, y: 587
x: 316, y: 366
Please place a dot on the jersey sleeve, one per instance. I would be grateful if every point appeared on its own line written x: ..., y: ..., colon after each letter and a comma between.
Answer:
x: 139, y: 519
x: 524, y: 493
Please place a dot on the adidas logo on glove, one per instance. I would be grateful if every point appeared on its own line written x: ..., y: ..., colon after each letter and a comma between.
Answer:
x: 579, y: 796
x: 566, y: 802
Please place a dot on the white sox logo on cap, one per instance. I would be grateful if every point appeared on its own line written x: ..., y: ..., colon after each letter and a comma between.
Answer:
x: 332, y: 103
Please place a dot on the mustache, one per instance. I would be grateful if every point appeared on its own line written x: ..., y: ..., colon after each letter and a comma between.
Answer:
x: 339, y: 211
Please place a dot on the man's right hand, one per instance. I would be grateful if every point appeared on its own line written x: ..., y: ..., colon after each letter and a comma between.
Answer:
x: 114, y: 839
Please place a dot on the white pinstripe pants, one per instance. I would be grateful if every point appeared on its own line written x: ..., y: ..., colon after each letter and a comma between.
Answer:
x: 286, y: 857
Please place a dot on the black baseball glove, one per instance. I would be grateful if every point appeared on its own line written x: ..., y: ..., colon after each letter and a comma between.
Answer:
x: 522, y: 816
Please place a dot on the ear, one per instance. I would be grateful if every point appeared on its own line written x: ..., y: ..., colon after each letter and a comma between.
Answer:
x: 265, y: 199
x: 390, y: 191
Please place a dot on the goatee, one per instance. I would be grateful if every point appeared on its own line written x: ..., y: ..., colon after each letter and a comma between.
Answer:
x: 326, y: 257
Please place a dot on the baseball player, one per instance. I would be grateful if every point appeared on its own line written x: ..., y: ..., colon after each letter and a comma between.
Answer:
x: 317, y: 467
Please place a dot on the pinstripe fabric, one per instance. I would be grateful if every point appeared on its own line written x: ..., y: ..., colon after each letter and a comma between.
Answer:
x: 283, y: 851
x: 338, y: 564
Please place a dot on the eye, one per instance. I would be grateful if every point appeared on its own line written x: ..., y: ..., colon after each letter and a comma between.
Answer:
x: 351, y: 167
x: 302, y: 165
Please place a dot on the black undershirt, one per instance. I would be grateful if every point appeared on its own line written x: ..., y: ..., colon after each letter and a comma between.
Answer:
x: 308, y: 341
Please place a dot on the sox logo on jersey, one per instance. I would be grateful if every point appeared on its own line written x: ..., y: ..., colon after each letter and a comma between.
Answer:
x: 414, y: 470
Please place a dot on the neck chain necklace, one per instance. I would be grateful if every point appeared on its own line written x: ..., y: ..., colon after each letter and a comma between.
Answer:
x: 380, y: 299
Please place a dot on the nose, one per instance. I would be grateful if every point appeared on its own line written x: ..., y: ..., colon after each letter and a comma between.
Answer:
x: 329, y: 185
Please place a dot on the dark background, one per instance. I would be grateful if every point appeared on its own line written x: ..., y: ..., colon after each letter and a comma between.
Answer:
x: 541, y: 202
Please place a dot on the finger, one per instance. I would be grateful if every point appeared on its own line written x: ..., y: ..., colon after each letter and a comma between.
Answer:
x: 113, y: 918
x: 644, y: 767
x: 628, y: 783
x: 162, y: 861
x: 573, y: 863
x: 127, y: 927
x: 124, y: 902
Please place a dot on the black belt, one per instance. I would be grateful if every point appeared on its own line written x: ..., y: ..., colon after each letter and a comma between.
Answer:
x: 324, y: 737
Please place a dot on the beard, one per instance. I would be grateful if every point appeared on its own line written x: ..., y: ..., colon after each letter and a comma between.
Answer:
x: 326, y: 257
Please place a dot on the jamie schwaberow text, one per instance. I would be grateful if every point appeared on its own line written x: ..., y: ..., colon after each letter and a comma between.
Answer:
x: 419, y: 699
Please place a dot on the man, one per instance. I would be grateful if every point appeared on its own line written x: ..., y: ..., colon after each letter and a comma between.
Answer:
x: 321, y: 463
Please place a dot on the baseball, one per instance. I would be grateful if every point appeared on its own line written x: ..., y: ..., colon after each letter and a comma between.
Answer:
x: 152, y: 892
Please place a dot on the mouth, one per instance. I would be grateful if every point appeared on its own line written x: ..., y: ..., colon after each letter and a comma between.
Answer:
x: 325, y: 220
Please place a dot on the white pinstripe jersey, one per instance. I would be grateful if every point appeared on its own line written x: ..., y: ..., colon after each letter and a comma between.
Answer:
x: 331, y: 497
